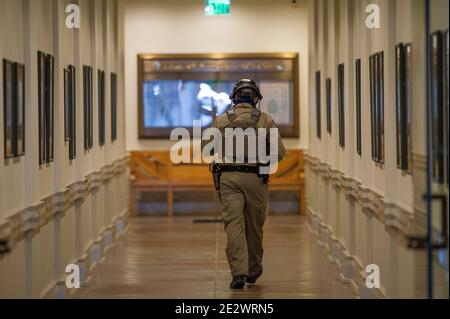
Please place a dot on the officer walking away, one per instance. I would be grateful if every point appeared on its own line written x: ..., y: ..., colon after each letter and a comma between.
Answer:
x: 243, y: 190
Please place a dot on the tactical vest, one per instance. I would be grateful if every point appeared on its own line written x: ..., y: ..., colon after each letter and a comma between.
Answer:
x: 243, y: 124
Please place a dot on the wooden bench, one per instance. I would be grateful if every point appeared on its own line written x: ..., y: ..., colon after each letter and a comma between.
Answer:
x: 154, y: 171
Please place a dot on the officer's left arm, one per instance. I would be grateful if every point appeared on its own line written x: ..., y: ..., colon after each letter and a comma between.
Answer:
x: 281, y: 148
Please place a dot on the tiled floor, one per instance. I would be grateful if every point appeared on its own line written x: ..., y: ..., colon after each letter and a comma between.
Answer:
x: 175, y: 258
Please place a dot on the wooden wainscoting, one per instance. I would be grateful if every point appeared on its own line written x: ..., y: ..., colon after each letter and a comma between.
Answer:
x: 154, y: 171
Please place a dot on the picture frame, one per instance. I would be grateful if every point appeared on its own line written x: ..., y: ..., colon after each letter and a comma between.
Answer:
x: 50, y: 108
x: 341, y: 105
x: 69, y: 110
x: 87, y: 107
x: 358, y: 105
x: 113, y: 106
x: 101, y: 107
x: 376, y: 74
x: 437, y: 109
x: 164, y: 103
x: 318, y: 107
x: 20, y: 101
x: 42, y: 102
x: 73, y: 115
x: 8, y: 109
x: 372, y: 106
x: 408, y: 101
x: 67, y: 101
x: 380, y: 106
x: 328, y: 102
x: 446, y: 101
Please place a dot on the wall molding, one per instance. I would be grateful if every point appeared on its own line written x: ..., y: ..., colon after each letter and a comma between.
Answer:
x: 390, y: 214
x: 14, y: 228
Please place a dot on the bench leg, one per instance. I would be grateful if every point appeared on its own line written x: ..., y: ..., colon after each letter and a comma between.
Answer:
x: 170, y: 202
x: 133, y: 200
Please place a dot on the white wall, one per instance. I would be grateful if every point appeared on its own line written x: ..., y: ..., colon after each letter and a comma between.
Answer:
x: 65, y: 211
x: 174, y: 26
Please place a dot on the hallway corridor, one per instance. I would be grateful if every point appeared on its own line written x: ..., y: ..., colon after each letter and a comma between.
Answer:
x: 175, y: 258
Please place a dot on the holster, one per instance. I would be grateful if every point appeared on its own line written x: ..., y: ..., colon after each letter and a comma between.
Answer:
x: 215, y: 171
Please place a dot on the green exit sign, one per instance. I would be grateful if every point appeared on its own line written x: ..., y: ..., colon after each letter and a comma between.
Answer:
x: 217, y: 7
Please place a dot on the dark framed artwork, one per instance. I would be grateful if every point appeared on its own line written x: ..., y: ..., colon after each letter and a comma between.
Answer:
x: 376, y: 72
x: 446, y: 101
x: 67, y: 101
x: 437, y: 106
x: 403, y: 104
x: 46, y: 84
x: 113, y: 106
x: 8, y: 108
x: 372, y: 105
x: 341, y: 105
x: 318, y: 107
x: 175, y: 89
x: 88, y: 107
x: 101, y: 106
x: 70, y: 110
x: 50, y: 78
x: 42, y: 101
x: 20, y: 107
x: 328, y: 100
x: 358, y: 105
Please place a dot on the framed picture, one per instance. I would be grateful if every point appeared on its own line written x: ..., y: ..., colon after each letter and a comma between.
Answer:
x: 87, y: 107
x: 101, y: 107
x: 318, y: 113
x: 376, y: 71
x: 358, y: 105
x: 403, y: 105
x: 50, y: 108
x: 69, y: 110
x: 20, y: 100
x: 42, y: 102
x: 8, y: 108
x: 437, y: 106
x: 73, y: 115
x: 328, y: 97
x: 372, y: 105
x: 175, y: 89
x: 341, y: 105
x: 67, y: 101
x: 113, y: 106
x: 446, y: 100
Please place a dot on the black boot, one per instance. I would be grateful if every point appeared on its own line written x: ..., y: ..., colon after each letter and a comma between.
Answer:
x: 252, y: 279
x: 238, y: 282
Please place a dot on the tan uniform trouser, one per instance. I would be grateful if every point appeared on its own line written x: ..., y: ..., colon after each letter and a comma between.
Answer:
x: 244, y: 201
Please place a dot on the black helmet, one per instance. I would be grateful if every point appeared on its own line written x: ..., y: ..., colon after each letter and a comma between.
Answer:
x: 245, y: 84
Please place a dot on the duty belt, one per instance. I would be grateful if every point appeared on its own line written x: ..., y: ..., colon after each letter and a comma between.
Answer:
x: 240, y: 168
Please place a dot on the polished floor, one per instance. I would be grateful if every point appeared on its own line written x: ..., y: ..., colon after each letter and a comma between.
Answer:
x: 175, y: 258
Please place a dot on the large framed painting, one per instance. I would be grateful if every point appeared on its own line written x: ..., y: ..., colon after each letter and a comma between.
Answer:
x: 176, y: 89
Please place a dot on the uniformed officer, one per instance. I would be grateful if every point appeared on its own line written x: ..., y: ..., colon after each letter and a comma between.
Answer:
x: 243, y: 190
